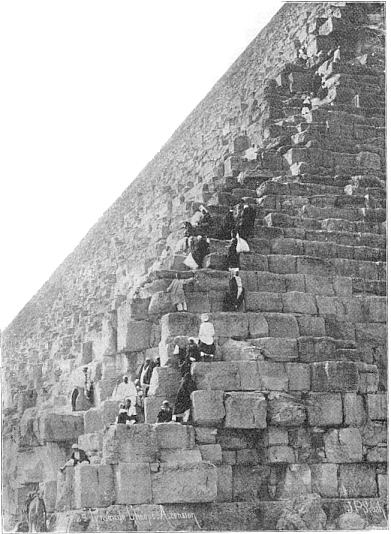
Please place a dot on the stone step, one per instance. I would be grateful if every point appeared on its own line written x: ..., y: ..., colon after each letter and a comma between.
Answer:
x: 291, y: 204
x: 306, y: 189
x: 278, y: 219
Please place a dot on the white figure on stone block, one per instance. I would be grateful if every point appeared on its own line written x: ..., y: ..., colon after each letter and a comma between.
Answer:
x: 126, y: 390
x: 78, y: 457
x: 206, y: 338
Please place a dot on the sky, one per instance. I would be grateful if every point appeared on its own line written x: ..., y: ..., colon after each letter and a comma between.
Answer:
x: 90, y: 92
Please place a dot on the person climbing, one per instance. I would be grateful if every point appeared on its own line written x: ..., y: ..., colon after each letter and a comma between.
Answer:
x: 246, y: 221
x: 78, y: 456
x: 228, y: 224
x: 235, y: 295
x: 206, y: 342
x: 182, y: 404
x: 165, y: 413
x: 145, y: 374
x: 200, y: 250
x: 192, y: 350
x: 233, y: 257
x: 177, y: 294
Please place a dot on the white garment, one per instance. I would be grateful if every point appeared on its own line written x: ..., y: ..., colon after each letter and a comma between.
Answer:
x: 251, y: 153
x: 206, y: 333
x: 240, y: 285
x: 197, y: 217
x: 126, y: 391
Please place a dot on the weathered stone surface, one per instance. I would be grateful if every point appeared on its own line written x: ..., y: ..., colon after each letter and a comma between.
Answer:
x: 353, y: 409
x: 164, y: 382
x: 132, y: 335
x: 65, y: 489
x: 377, y: 406
x: 247, y: 457
x: 91, y: 443
x: 205, y: 434
x: 297, y: 481
x: 302, y: 513
x: 130, y: 444
x: 278, y: 349
x: 208, y: 407
x: 174, y: 436
x: 222, y: 376
x: 351, y: 521
x: 343, y: 445
x: 224, y: 483
x: 285, y: 411
x: 276, y: 436
x: 185, y: 483
x: 59, y: 427
x: 324, y: 409
x: 272, y: 376
x: 334, y: 376
x: 324, y: 479
x: 211, y: 453
x: 357, y: 480
x: 281, y: 454
x: 316, y: 349
x: 133, y: 483
x: 245, y: 410
x: 282, y: 325
x: 94, y: 486
x: 295, y: 302
x: 250, y: 482
x: 179, y: 456
x: 299, y: 376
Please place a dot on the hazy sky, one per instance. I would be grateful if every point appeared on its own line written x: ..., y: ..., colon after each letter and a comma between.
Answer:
x: 90, y: 91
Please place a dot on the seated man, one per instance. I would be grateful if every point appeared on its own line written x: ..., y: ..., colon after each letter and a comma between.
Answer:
x: 130, y: 411
x: 78, y: 457
x: 165, y: 413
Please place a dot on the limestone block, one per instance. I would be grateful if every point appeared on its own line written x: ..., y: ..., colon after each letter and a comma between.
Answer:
x: 49, y: 491
x: 369, y: 161
x: 180, y: 324
x: 314, y: 349
x: 133, y: 483
x: 324, y: 479
x: 180, y: 456
x: 138, y: 308
x: 228, y: 324
x: 250, y: 483
x: 59, y: 427
x: 130, y: 444
x: 90, y: 443
x: 165, y: 382
x: 368, y: 382
x: 297, y: 481
x: 334, y: 376
x: 299, y: 376
x: 278, y: 454
x: 261, y: 302
x: 249, y: 376
x: 245, y: 410
x: 382, y: 482
x: 371, y: 332
x: 357, y: 480
x: 109, y: 412
x: 184, y: 483
x: 151, y: 408
x: 343, y: 445
x: 351, y: 521
x: 311, y: 326
x: 229, y: 457
x: 324, y: 409
x: 208, y: 407
x: 319, y: 285
x: 353, y: 409
x: 377, y: 309
x: 174, y: 436
x: 237, y: 439
x: 160, y: 304
x: 224, y: 483
x: 373, y: 433
x: 132, y: 336
x: 211, y: 453
x: 65, y: 489
x: 315, y: 266
x: 285, y: 411
x: 247, y: 457
x: 257, y: 325
x: 205, y: 435
x: 93, y: 421
x: 282, y: 325
x: 295, y: 302
x: 377, y: 406
x: 271, y: 376
x: 94, y: 486
x: 278, y: 349
x: 276, y: 436
x: 378, y: 454
x: 222, y: 376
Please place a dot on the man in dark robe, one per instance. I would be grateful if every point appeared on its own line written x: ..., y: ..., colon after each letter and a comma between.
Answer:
x: 183, y: 402
x: 246, y: 222
x: 200, y: 250
x: 233, y: 261
x: 165, y: 413
x: 227, y: 226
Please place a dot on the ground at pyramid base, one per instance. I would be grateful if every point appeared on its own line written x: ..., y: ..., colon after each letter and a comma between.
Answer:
x: 288, y: 420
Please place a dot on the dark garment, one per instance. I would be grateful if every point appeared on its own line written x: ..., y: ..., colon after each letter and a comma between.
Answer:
x: 231, y: 300
x: 147, y: 377
x: 246, y: 222
x: 188, y: 230
x: 207, y: 349
x: 204, y: 225
x: 316, y: 82
x: 185, y: 366
x: 200, y: 250
x: 227, y: 226
x: 193, y: 351
x: 122, y: 418
x: 164, y: 416
x: 82, y: 457
x: 183, y: 402
x: 233, y: 256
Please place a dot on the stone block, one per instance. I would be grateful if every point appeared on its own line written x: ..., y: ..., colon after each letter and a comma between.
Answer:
x: 179, y: 324
x: 299, y: 376
x: 180, y: 456
x: 257, y: 325
x: 281, y: 454
x: 277, y: 349
x: 245, y: 410
x: 297, y: 481
x: 271, y: 376
x: 229, y: 457
x: 377, y: 406
x: 174, y: 436
x: 249, y: 376
x: 282, y: 325
x: 343, y: 445
x: 228, y: 324
x: 109, y: 412
x: 373, y: 333
x: 164, y: 382
x: 382, y: 482
x: 357, y: 480
x: 315, y: 349
x: 151, y: 408
x: 91, y: 443
x: 49, y: 491
x: 324, y: 479
x: 334, y: 376
x: 261, y: 302
x: 276, y: 436
x: 376, y: 309
x: 238, y: 439
x: 223, y: 376
x: 315, y: 266
x: 208, y: 407
x: 130, y: 444
x: 311, y: 326
x: 133, y: 483
x: 224, y: 483
x: 132, y: 336
x: 59, y: 427
x: 247, y: 457
x: 353, y: 409
x: 324, y: 409
x: 160, y: 304
x: 65, y: 499
x: 233, y: 351
x: 205, y: 435
x: 250, y: 483
x: 184, y: 483
x: 295, y: 302
x: 285, y: 411
x: 93, y: 420
x: 211, y: 453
